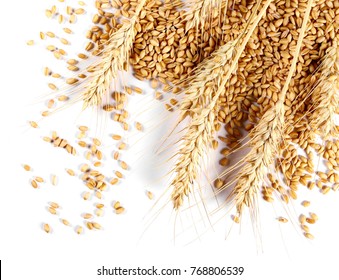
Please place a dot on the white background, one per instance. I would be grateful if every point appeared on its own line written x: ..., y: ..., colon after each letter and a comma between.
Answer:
x: 27, y: 252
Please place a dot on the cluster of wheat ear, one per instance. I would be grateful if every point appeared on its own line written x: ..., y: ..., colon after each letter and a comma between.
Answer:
x: 266, y: 71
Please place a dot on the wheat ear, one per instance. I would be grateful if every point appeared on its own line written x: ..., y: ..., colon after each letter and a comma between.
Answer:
x: 219, y: 63
x: 198, y: 12
x: 238, y: 50
x: 266, y: 139
x: 114, y: 57
x: 195, y: 143
x: 267, y: 136
x: 206, y: 75
x: 200, y: 131
x: 326, y: 95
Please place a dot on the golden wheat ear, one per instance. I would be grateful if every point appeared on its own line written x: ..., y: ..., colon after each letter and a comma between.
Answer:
x: 198, y: 13
x: 207, y: 74
x: 325, y: 96
x: 114, y: 59
x: 265, y: 145
x: 201, y: 104
x: 198, y: 103
x: 266, y: 140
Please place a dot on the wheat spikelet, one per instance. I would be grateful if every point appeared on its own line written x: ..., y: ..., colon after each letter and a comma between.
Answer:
x: 326, y: 95
x: 115, y: 55
x: 266, y: 139
x: 201, y: 129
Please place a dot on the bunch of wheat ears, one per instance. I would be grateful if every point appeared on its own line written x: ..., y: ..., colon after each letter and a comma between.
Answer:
x: 266, y: 70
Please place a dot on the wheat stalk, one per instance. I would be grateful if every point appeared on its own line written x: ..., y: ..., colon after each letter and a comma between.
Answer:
x: 201, y: 129
x: 266, y: 139
x: 115, y: 55
x: 326, y: 95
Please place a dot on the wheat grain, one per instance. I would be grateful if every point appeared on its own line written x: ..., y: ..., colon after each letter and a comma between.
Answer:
x: 54, y: 205
x: 79, y: 230
x: 305, y: 203
x: 39, y: 179
x: 150, y: 195
x: 54, y: 180
x: 99, y: 212
x: 87, y: 216
x: 119, y: 210
x: 282, y: 220
x: 52, y: 210
x: 50, y: 34
x: 309, y: 235
x: 67, y: 30
x: 116, y: 137
x: 47, y: 228
x: 33, y: 124
x: 119, y: 174
x: 123, y: 165
x: 65, y: 222
x: 34, y: 184
x: 114, y: 181
x: 89, y: 225
x: 96, y: 225
x: 27, y: 167
x: 116, y: 205
x: 310, y: 221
